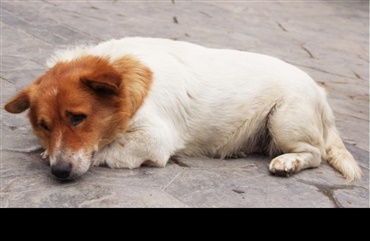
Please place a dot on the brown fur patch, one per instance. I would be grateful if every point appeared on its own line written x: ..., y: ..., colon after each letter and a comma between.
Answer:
x: 137, y: 79
x: 297, y: 164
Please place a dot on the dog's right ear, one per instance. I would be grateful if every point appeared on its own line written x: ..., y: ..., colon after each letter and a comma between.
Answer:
x: 19, y: 103
x: 105, y: 84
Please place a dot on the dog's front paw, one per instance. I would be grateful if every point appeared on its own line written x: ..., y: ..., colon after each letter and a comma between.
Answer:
x: 285, y: 165
x: 45, y: 154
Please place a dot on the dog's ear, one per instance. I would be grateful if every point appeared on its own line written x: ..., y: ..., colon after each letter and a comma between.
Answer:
x: 104, y: 84
x: 19, y: 103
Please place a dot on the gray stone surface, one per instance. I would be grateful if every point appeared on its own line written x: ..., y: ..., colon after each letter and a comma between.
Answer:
x: 327, y: 39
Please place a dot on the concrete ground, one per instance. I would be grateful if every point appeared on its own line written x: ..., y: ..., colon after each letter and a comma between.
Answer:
x: 328, y: 40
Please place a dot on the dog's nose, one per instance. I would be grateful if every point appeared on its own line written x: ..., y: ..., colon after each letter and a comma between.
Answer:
x: 61, y: 170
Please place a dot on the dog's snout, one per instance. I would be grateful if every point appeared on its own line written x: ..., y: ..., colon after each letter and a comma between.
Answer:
x: 61, y: 170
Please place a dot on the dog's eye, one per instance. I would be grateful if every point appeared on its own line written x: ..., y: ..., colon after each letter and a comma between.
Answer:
x: 77, y: 119
x: 44, y: 126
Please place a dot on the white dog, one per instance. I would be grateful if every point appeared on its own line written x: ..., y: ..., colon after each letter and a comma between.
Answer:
x: 138, y: 101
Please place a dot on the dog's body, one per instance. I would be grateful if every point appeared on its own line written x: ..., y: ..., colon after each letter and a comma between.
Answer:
x: 143, y: 100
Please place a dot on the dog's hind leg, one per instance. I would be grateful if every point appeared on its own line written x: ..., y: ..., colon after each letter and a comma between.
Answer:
x: 297, y: 132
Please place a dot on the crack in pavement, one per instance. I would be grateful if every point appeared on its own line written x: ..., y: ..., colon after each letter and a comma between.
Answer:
x: 30, y: 151
x: 328, y: 191
x: 357, y: 75
x: 282, y: 27
x: 308, y: 51
x: 2, y: 79
x: 321, y: 70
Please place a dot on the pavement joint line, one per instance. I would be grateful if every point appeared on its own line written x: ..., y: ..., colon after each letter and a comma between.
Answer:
x: 173, y: 179
x: 27, y: 33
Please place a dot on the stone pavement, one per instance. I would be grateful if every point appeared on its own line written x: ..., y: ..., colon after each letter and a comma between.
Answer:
x: 328, y: 40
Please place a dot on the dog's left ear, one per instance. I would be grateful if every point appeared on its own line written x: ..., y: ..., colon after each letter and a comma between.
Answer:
x: 104, y: 84
x: 19, y: 103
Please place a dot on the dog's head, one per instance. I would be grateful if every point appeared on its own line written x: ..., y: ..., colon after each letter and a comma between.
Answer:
x: 79, y: 106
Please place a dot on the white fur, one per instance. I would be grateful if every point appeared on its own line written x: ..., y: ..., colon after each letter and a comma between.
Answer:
x: 57, y: 150
x: 217, y: 102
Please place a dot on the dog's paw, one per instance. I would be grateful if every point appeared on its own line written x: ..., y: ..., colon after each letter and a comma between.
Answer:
x: 285, y: 165
x: 45, y: 154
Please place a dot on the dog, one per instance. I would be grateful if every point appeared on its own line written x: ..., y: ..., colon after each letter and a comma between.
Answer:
x: 138, y: 101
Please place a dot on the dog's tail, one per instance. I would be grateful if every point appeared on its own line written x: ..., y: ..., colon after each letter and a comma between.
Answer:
x: 337, y: 154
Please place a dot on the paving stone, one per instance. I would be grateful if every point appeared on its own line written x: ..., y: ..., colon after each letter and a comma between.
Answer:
x: 350, y: 198
x: 237, y: 188
x: 90, y: 196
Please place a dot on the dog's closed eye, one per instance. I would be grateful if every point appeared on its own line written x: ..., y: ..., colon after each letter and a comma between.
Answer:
x: 44, y: 126
x: 77, y: 119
